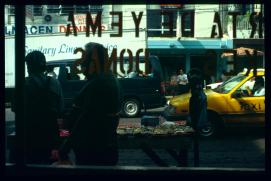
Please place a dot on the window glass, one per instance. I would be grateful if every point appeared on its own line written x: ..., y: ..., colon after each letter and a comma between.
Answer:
x: 230, y: 84
x: 152, y: 107
x: 9, y: 83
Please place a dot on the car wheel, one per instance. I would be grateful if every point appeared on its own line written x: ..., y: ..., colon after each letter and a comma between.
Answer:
x: 214, y: 126
x: 130, y: 107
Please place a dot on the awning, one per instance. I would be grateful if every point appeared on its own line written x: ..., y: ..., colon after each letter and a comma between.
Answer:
x: 243, y: 51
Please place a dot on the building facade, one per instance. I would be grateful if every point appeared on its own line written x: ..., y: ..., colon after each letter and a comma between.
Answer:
x: 198, y: 41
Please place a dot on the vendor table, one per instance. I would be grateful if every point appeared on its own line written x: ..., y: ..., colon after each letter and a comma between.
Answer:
x: 176, y: 145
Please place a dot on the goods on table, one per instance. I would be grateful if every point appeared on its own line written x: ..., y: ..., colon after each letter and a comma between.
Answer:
x: 166, y: 128
x: 160, y: 130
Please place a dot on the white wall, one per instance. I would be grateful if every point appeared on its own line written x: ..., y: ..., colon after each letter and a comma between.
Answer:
x: 128, y: 22
x: 204, y: 17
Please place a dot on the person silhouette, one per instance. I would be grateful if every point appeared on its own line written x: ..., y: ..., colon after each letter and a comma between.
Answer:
x: 43, y: 105
x: 182, y: 81
x: 197, y: 107
x: 95, y: 116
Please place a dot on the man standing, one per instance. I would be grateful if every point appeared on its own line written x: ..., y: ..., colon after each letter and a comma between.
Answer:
x: 182, y: 82
x: 43, y: 105
x: 95, y: 116
x: 197, y: 108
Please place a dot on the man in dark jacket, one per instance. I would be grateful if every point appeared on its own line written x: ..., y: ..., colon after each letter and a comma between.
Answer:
x: 197, y: 107
x: 43, y: 105
x: 198, y: 100
x: 95, y: 116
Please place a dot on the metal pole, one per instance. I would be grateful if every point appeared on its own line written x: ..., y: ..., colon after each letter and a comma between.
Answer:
x: 264, y: 34
x: 19, y: 82
x: 196, y: 148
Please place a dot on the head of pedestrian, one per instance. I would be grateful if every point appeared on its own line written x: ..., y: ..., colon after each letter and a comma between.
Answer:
x: 94, y: 59
x: 36, y: 62
x: 195, y: 80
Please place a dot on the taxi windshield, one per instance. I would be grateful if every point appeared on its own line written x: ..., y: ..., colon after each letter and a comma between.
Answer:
x: 229, y: 84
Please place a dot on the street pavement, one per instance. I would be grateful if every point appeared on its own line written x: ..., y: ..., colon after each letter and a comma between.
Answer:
x: 240, y: 147
x: 232, y: 151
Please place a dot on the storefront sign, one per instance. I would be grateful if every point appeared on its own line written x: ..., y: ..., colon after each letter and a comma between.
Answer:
x: 31, y: 29
x: 79, y: 28
x: 60, y: 47
x: 47, y: 29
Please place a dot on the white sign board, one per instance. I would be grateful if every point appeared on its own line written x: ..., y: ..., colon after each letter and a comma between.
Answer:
x: 62, y: 47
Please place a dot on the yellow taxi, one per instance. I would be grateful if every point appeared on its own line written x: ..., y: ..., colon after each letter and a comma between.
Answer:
x: 238, y: 101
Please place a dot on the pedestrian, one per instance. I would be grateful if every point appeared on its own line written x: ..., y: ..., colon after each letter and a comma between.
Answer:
x: 43, y: 105
x: 198, y: 100
x: 197, y: 107
x: 182, y: 77
x: 182, y: 82
x: 95, y: 116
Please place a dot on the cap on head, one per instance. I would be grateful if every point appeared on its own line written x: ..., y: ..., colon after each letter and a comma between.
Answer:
x: 36, y: 62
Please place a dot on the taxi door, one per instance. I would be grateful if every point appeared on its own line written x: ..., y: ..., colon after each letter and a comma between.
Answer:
x: 244, y: 107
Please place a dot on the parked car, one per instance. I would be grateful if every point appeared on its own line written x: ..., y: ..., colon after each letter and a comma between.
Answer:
x: 229, y: 104
x: 139, y: 92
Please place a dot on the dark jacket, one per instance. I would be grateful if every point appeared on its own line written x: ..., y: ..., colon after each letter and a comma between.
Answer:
x: 198, y: 109
x: 95, y: 119
x: 43, y: 104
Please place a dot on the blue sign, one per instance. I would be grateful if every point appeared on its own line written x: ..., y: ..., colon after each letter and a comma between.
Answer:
x: 30, y: 30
